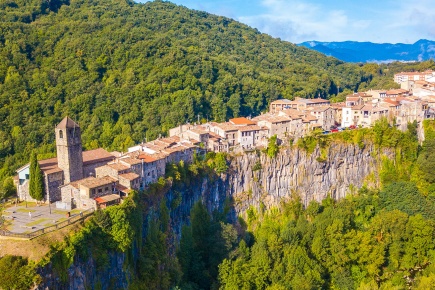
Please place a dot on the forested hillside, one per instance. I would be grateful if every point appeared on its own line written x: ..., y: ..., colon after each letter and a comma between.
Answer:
x: 127, y: 71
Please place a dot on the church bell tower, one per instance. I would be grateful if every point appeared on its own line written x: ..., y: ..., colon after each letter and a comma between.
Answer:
x: 69, y: 150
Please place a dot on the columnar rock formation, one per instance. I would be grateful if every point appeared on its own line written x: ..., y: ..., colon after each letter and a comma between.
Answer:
x: 252, y: 179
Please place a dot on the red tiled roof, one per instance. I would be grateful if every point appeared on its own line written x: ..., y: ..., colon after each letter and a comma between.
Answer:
x: 96, y: 155
x: 147, y: 158
x: 118, y: 166
x: 390, y: 101
x: 107, y: 198
x: 130, y: 161
x: 129, y: 176
x: 241, y: 121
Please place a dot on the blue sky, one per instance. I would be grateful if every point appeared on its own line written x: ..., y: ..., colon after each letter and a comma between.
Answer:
x: 378, y: 21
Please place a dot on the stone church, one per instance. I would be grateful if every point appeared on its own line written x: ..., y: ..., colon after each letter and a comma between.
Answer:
x: 97, y: 178
x: 70, y: 165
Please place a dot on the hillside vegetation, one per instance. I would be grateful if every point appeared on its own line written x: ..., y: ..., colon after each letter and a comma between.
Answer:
x: 128, y: 71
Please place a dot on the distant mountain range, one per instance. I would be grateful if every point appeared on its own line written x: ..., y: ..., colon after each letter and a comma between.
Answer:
x: 353, y: 51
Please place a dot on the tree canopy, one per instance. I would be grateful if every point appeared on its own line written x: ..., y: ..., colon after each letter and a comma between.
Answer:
x: 127, y: 71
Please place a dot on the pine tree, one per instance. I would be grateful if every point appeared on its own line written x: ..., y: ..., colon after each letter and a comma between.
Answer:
x: 36, y: 185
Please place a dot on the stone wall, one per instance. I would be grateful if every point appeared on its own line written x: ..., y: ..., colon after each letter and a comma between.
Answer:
x: 89, y: 169
x: 53, y: 182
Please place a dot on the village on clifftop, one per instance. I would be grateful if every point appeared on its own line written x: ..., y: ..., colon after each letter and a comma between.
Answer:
x: 98, y: 178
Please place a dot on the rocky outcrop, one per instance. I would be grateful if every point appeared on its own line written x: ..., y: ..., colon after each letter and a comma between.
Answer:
x: 257, y: 178
x: 253, y: 179
x: 83, y: 275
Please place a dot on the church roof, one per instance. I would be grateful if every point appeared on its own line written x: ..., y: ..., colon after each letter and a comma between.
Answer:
x: 96, y: 155
x: 49, y: 166
x: 67, y: 122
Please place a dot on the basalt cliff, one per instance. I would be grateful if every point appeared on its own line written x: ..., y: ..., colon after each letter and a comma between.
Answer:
x: 254, y: 180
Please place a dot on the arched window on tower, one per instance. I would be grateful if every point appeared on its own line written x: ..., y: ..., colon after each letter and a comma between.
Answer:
x: 60, y: 134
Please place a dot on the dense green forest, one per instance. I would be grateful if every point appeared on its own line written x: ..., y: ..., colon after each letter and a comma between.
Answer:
x: 128, y: 71
x: 375, y: 238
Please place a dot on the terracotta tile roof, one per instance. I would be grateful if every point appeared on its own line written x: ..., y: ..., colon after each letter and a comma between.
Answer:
x: 130, y: 160
x: 77, y: 182
x: 250, y: 128
x: 310, y: 118
x: 89, y: 157
x: 282, y: 101
x: 116, y: 153
x: 397, y: 92
x: 391, y: 102
x: 380, y: 108
x: 147, y: 158
x: 318, y: 100
x: 107, y: 198
x: 241, y: 121
x: 160, y: 155
x: 367, y: 107
x: 129, y: 176
x: 399, y: 99
x: 174, y: 149
x: 320, y: 108
x: 155, y: 147
x: 272, y: 118
x: 198, y: 131
x: 67, y: 122
x: 188, y: 145
x: 123, y: 188
x: 227, y: 126
x: 49, y: 166
x: 93, y: 182
x: 357, y: 107
x: 118, y: 166
x: 96, y: 155
x: 167, y: 141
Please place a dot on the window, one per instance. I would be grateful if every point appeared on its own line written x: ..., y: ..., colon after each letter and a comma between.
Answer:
x: 100, y: 190
x: 60, y: 134
x: 106, y: 189
x: 27, y: 176
x: 93, y: 191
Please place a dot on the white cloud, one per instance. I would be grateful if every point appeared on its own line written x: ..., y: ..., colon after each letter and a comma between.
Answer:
x: 297, y: 21
x: 384, y: 21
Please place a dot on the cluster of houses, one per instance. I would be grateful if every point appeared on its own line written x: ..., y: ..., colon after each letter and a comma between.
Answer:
x: 98, y: 178
x: 292, y: 119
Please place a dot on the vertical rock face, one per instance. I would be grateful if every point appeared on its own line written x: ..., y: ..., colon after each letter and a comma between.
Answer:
x: 257, y: 179
x: 86, y: 275
x: 253, y: 179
